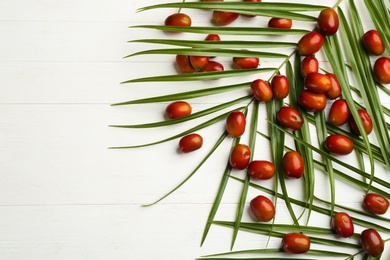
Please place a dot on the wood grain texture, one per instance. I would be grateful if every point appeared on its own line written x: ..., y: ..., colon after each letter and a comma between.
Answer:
x: 63, y: 194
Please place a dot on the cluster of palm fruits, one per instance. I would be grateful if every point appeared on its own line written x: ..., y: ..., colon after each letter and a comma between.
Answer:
x: 318, y: 89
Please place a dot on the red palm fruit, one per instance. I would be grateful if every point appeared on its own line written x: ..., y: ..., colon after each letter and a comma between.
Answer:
x: 366, y: 121
x: 190, y: 143
x: 246, y: 62
x: 213, y: 37
x: 178, y: 109
x: 261, y: 90
x: 222, y: 18
x: 280, y: 86
x: 212, y: 66
x: 312, y: 101
x: 183, y: 64
x: 328, y: 22
x: 317, y: 82
x: 310, y: 43
x: 372, y: 41
x: 261, y: 170
x: 335, y: 89
x: 240, y: 156
x: 308, y: 65
x: 342, y: 224
x: 296, y: 243
x: 293, y: 165
x: 178, y: 19
x: 376, y: 203
x: 199, y: 62
x: 339, y: 112
x: 290, y: 118
x: 262, y: 208
x: 282, y: 23
x: 339, y: 144
x: 372, y: 242
x: 235, y: 124
x: 382, y: 70
x: 254, y: 1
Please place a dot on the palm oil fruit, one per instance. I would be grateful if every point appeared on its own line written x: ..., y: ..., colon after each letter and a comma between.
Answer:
x: 261, y: 90
x: 382, y: 70
x: 335, y: 88
x: 212, y: 66
x: 376, y: 203
x: 280, y: 86
x: 328, y: 22
x: 212, y: 37
x: 293, y: 165
x: 317, y: 82
x: 366, y: 121
x: 342, y: 224
x: 178, y: 19
x: 372, y: 42
x: 183, y: 64
x: 372, y: 242
x: 261, y: 169
x: 310, y: 43
x: 190, y: 143
x: 262, y: 208
x: 290, y: 118
x: 339, y: 144
x: 240, y: 156
x: 309, y: 65
x: 222, y: 18
x: 339, y: 112
x: 178, y: 109
x: 281, y: 23
x: 312, y: 101
x: 246, y: 62
x: 295, y: 243
x: 235, y: 124
x: 198, y: 62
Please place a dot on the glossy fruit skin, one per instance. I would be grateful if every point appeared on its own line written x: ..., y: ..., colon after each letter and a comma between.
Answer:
x: 190, y: 143
x: 328, y: 22
x: 235, y: 124
x: 199, y: 62
x: 339, y: 112
x: 296, y: 243
x: 309, y: 65
x: 280, y: 86
x: 366, y: 121
x: 282, y: 23
x: 290, y: 118
x: 372, y: 242
x: 317, y: 82
x: 240, y: 156
x: 262, y: 208
x: 178, y: 109
x: 339, y: 144
x: 310, y: 43
x: 261, y: 90
x: 183, y: 64
x: 246, y: 62
x: 212, y: 66
x: 178, y: 19
x: 335, y: 89
x: 342, y: 224
x: 372, y: 41
x: 382, y: 70
x: 212, y: 37
x: 312, y: 101
x: 222, y: 18
x: 261, y: 170
x: 293, y: 165
x: 376, y: 203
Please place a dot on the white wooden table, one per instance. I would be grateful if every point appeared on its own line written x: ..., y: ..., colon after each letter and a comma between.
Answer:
x: 63, y: 194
